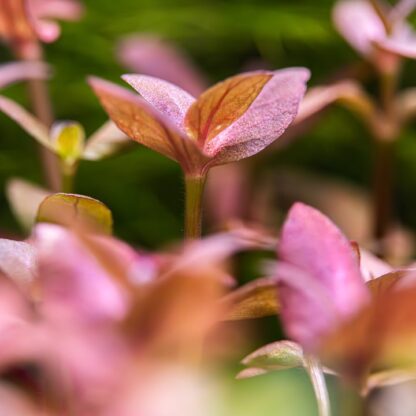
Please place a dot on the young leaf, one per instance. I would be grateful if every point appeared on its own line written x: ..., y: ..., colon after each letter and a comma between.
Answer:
x: 105, y: 142
x: 17, y: 71
x: 76, y: 211
x: 136, y: 118
x: 26, y: 121
x: 68, y: 139
x: 320, y: 275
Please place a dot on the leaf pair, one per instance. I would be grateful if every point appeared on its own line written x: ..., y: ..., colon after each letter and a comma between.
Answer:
x: 67, y: 139
x: 380, y: 33
x: 230, y: 121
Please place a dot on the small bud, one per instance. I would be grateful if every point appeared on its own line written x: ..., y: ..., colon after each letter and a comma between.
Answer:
x: 68, y: 139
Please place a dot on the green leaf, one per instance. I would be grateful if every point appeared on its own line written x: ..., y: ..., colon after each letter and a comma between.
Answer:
x: 76, y: 211
x: 276, y: 356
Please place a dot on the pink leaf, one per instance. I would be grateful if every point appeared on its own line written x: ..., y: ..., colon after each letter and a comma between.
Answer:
x: 75, y: 284
x: 265, y: 120
x: 359, y: 23
x: 167, y: 98
x: 140, y: 121
x: 26, y: 121
x: 150, y: 55
x: 18, y: 260
x: 18, y: 71
x: 322, y: 282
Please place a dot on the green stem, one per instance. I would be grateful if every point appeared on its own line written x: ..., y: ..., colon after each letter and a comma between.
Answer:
x: 67, y: 177
x: 316, y: 375
x: 194, y: 189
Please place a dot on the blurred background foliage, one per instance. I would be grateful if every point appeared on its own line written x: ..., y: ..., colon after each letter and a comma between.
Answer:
x: 143, y: 189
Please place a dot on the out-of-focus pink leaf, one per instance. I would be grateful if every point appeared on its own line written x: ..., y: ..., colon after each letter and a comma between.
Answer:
x: 268, y: 116
x: 57, y: 9
x: 24, y: 199
x: 74, y: 283
x: 150, y: 55
x: 371, y: 266
x: 380, y: 35
x: 322, y: 282
x: 24, y: 21
x: 167, y: 98
x: 401, y: 10
x: 18, y: 71
x: 18, y: 261
x: 44, y: 12
x: 26, y: 121
x: 348, y: 93
x: 106, y: 141
x: 15, y: 22
x: 359, y: 23
x: 402, y: 43
x: 76, y: 211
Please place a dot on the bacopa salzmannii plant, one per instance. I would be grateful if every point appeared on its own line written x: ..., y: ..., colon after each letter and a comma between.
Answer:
x: 116, y: 308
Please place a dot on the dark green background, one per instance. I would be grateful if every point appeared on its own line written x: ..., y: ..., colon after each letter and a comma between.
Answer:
x: 143, y: 189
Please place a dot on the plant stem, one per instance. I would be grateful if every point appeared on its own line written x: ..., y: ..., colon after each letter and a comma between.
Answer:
x: 316, y: 375
x: 194, y: 189
x: 39, y: 97
x: 67, y: 177
x: 42, y: 108
x: 383, y: 165
x: 383, y: 181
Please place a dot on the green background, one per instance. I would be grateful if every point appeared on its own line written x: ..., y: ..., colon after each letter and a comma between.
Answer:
x: 143, y: 189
